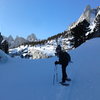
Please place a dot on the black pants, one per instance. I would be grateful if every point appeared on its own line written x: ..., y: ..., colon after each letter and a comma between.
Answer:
x: 64, y: 74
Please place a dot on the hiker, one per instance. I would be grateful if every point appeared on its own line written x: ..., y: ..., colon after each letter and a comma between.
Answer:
x: 64, y: 59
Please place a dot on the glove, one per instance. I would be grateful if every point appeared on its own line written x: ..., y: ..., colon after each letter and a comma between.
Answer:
x: 71, y: 61
x: 56, y: 62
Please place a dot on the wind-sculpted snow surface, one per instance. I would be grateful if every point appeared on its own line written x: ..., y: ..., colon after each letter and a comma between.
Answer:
x: 23, y: 79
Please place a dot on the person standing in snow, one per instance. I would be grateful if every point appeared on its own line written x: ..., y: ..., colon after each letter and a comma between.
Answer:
x: 64, y: 59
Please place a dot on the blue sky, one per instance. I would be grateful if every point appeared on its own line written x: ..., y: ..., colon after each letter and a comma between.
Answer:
x: 43, y: 17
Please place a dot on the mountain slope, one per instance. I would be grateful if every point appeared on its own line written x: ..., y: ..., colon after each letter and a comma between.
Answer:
x: 86, y: 73
x: 22, y: 79
x: 85, y: 28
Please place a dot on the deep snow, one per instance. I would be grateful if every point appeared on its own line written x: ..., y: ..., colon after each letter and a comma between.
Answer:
x: 23, y: 79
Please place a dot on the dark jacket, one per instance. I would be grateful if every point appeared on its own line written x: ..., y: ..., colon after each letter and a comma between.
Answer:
x: 64, y: 58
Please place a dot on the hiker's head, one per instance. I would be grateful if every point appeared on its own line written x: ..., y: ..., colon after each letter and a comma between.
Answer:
x: 59, y: 46
x: 58, y: 50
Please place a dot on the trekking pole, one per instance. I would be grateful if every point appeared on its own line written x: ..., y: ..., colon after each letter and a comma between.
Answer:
x: 54, y: 76
x: 54, y: 79
x: 56, y: 73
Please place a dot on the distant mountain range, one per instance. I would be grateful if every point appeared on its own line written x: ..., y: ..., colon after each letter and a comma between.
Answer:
x: 20, y: 40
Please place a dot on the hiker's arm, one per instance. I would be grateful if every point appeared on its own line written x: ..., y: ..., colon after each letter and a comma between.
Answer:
x: 56, y: 62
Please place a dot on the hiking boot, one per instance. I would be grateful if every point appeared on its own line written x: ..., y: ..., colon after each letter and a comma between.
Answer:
x: 63, y: 81
x: 68, y: 79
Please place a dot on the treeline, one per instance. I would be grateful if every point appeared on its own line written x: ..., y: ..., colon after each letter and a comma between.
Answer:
x: 42, y: 42
x: 4, y: 44
x: 79, y: 33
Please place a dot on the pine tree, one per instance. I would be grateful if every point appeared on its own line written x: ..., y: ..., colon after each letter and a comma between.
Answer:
x: 79, y: 32
x: 97, y: 22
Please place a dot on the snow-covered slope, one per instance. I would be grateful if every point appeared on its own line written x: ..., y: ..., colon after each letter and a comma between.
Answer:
x: 35, y: 52
x: 23, y: 79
